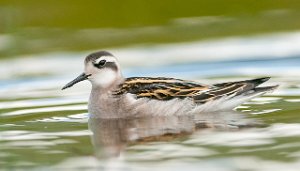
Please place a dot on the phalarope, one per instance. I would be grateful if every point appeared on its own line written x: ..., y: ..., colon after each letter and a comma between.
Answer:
x: 113, y: 96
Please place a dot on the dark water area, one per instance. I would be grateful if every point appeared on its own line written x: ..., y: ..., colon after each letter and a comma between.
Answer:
x: 30, y: 27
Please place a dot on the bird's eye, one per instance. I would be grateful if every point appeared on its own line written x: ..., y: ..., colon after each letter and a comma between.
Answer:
x: 100, y: 63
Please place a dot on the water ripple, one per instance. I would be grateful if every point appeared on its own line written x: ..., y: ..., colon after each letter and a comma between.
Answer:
x: 46, y: 110
x: 32, y: 135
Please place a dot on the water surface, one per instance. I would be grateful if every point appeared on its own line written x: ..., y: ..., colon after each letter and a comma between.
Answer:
x: 42, y: 127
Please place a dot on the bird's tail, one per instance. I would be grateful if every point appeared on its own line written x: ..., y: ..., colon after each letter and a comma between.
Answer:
x: 250, y: 90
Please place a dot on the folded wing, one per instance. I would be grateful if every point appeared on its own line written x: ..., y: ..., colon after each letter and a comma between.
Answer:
x: 160, y: 88
x: 169, y: 88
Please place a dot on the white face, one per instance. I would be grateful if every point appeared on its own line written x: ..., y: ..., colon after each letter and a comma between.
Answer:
x: 104, y: 71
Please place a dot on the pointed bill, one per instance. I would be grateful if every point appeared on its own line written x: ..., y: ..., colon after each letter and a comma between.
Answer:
x: 80, y: 78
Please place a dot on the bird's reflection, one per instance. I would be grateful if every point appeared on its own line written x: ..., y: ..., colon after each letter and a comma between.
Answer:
x: 111, y: 136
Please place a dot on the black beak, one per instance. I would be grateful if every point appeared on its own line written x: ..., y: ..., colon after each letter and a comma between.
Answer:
x: 80, y: 78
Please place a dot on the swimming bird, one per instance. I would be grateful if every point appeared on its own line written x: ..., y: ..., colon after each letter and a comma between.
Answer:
x: 113, y: 96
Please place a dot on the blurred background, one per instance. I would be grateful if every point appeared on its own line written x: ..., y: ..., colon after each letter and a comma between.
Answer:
x: 168, y: 31
x: 34, y: 26
x: 43, y: 45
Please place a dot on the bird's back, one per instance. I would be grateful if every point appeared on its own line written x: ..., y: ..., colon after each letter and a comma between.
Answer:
x: 165, y: 89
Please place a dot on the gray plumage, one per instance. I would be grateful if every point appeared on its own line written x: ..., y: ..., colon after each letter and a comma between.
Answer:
x: 113, y: 96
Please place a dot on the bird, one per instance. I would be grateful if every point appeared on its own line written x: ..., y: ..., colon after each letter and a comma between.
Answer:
x: 114, y: 96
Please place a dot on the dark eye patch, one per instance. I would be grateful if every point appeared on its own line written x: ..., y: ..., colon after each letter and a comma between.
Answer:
x: 100, y: 64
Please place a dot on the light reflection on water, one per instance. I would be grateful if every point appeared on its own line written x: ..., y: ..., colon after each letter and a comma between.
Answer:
x: 264, y: 52
x: 37, y: 119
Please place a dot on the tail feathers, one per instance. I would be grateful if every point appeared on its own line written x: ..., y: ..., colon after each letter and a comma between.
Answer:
x: 261, y: 90
x: 253, y: 82
x: 257, y: 81
x: 226, y: 102
x: 230, y: 102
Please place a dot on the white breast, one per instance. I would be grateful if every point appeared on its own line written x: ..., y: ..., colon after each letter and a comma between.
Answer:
x: 129, y: 105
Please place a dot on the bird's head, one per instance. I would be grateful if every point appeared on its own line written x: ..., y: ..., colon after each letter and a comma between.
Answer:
x: 101, y: 69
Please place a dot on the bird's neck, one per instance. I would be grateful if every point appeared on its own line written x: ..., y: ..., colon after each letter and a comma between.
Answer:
x: 102, y: 100
x: 107, y: 87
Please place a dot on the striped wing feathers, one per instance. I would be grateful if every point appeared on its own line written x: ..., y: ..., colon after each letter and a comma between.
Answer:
x: 160, y: 88
x: 169, y: 88
x: 219, y: 92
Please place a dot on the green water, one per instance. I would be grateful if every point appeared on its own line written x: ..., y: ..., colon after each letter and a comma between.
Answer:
x: 42, y: 47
